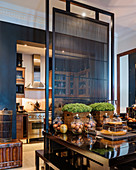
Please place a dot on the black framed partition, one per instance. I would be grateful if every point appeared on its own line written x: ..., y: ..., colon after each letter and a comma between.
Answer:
x: 80, y: 56
x: 80, y: 59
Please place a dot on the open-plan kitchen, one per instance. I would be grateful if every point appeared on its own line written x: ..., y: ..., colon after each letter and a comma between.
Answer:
x: 30, y: 90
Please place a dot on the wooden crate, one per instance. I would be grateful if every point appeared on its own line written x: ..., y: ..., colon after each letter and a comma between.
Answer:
x: 98, y: 117
x: 69, y: 117
x: 11, y: 154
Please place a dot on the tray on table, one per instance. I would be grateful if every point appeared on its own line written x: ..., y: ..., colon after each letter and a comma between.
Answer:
x: 114, y: 138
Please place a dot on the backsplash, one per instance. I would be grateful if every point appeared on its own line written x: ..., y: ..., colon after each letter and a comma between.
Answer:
x: 29, y: 103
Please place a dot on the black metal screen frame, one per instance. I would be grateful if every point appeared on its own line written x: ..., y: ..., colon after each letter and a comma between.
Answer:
x: 97, y: 12
x: 56, y: 10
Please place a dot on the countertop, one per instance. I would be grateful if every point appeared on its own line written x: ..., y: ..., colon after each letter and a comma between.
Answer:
x: 28, y: 112
x: 22, y: 113
x: 95, y: 144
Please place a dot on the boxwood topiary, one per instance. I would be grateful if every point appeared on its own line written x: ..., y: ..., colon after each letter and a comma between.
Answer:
x: 102, y: 107
x: 76, y: 108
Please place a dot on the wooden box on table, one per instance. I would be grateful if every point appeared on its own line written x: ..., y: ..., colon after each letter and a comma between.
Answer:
x: 11, y: 154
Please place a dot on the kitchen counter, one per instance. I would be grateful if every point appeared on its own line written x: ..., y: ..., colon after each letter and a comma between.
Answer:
x: 31, y: 123
x: 43, y: 111
x: 22, y: 113
x: 27, y: 112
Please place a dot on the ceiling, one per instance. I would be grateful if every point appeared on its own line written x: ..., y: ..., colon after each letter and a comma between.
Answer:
x: 124, y: 10
x: 30, y: 50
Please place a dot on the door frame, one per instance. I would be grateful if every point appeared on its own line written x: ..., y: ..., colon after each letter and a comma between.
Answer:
x: 118, y: 74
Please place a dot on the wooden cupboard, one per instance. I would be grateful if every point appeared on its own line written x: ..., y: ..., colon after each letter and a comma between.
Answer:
x: 22, y: 126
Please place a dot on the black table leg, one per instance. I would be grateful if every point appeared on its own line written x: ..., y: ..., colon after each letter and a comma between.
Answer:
x: 81, y: 162
x: 37, y: 161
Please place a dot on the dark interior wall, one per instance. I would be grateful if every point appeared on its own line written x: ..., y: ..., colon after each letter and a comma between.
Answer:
x: 9, y: 34
x: 132, y: 78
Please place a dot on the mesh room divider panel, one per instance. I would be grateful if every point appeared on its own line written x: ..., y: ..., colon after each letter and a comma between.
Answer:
x: 81, y: 59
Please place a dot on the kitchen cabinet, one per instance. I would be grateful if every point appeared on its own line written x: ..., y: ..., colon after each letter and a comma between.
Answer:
x: 22, y: 126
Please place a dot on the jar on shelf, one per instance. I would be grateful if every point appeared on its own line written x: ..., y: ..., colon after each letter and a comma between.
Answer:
x: 77, y: 125
x: 90, y: 125
x: 57, y: 122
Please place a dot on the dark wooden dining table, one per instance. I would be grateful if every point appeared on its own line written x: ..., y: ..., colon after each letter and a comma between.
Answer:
x: 99, y: 152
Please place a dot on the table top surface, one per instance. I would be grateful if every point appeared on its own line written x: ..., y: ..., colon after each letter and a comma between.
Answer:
x: 95, y: 145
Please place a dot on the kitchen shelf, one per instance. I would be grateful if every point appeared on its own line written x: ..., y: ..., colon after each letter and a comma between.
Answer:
x: 20, y: 82
x: 20, y: 73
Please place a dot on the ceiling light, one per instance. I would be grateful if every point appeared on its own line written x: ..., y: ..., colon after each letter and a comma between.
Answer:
x: 83, y: 14
x: 25, y: 45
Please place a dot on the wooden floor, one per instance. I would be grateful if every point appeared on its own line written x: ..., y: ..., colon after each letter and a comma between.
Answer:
x: 29, y: 156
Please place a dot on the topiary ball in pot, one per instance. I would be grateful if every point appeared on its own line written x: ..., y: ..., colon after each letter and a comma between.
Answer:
x: 99, y: 110
x: 70, y: 110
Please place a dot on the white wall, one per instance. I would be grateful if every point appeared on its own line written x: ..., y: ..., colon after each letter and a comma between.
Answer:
x: 124, y: 83
x: 126, y: 43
